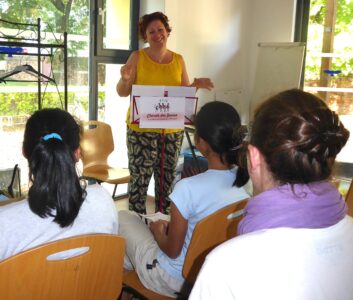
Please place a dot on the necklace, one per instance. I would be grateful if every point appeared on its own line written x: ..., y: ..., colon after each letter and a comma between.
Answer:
x: 156, y: 58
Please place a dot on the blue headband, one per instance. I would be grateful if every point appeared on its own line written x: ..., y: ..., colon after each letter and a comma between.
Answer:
x: 52, y: 136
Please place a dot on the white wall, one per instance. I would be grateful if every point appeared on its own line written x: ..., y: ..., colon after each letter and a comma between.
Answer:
x: 218, y: 39
x: 149, y: 6
x: 268, y: 21
x: 209, y: 37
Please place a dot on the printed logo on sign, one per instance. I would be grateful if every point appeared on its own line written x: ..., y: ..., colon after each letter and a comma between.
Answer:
x: 162, y: 106
x: 162, y: 112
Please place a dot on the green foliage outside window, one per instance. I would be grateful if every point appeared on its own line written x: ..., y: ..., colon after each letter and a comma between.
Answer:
x: 57, y: 16
x: 16, y: 104
x: 343, y: 36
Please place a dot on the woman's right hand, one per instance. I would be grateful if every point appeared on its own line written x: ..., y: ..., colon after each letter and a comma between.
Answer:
x: 126, y: 72
x: 128, y: 75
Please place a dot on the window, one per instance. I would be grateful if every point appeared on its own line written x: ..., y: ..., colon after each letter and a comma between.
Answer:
x: 116, y: 28
x: 327, y: 27
x: 101, y: 36
x: 116, y: 37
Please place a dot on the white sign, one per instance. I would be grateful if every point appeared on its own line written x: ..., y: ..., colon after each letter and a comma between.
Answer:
x: 140, y: 92
x: 162, y: 112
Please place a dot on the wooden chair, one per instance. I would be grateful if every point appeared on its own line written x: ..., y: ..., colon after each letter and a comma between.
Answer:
x: 94, y: 274
x: 349, y: 199
x: 208, y: 233
x: 96, y: 145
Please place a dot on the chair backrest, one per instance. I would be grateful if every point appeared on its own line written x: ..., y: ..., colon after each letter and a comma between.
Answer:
x: 349, y: 199
x: 96, y: 143
x: 95, y: 274
x: 209, y: 233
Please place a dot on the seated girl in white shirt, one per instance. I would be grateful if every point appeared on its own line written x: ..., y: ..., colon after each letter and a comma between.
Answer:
x: 59, y: 205
x: 157, y: 253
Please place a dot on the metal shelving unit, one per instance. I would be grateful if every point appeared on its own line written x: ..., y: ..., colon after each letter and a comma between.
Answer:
x: 30, y: 35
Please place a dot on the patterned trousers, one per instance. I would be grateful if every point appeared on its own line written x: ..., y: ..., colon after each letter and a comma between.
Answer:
x: 147, y: 151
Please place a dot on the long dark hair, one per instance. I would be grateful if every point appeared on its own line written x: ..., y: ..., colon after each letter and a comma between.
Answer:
x: 50, y: 140
x: 299, y: 136
x: 218, y: 123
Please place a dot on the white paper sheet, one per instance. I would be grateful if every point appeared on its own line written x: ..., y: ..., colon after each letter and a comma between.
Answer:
x: 155, y: 217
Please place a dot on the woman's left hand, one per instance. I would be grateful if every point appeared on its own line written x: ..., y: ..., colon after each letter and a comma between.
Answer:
x: 203, y: 83
x: 159, y: 227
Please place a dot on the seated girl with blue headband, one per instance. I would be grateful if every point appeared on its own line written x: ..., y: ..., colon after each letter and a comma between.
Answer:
x: 58, y: 205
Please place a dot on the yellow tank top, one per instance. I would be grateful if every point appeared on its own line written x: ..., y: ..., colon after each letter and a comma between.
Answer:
x: 151, y: 73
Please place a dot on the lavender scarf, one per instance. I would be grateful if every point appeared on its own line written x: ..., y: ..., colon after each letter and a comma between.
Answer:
x: 316, y: 205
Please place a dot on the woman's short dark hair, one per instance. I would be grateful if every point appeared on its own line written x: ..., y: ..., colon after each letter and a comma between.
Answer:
x: 218, y: 123
x: 298, y: 135
x: 148, y: 18
x: 56, y: 190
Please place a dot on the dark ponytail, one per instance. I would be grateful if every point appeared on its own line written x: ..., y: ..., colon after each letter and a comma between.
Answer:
x: 218, y: 123
x: 56, y: 190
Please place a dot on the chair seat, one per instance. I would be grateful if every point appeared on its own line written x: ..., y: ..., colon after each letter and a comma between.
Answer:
x: 107, y: 174
x: 96, y: 145
x: 132, y: 281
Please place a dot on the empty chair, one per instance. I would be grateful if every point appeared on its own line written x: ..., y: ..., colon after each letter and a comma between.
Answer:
x: 94, y: 273
x: 96, y: 145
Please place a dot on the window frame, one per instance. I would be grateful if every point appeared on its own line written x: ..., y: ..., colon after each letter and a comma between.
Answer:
x: 301, y: 29
x: 109, y: 56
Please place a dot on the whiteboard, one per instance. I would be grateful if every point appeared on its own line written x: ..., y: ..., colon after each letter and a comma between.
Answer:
x: 279, y: 67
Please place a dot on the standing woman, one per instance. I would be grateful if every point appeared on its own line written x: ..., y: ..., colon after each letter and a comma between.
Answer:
x: 58, y: 205
x: 154, y: 65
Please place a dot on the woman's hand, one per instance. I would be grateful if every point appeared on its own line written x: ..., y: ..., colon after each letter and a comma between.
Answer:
x: 170, y: 236
x: 159, y: 227
x: 128, y: 75
x: 203, y: 83
x: 126, y: 72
